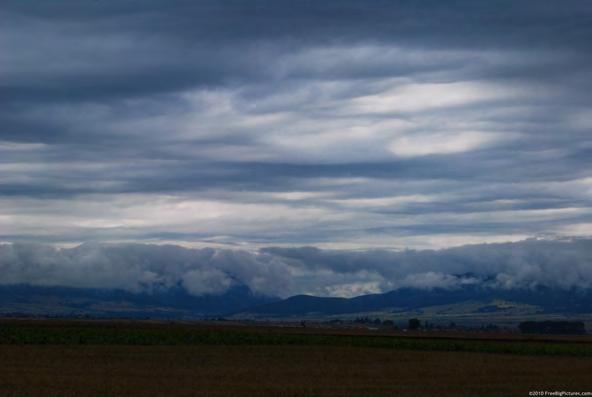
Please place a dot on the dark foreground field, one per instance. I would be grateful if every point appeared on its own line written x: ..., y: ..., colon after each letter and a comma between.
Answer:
x: 278, y: 371
x: 171, y: 360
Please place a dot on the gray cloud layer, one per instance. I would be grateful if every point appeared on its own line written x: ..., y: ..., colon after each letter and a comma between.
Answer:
x: 289, y: 271
x: 338, y: 124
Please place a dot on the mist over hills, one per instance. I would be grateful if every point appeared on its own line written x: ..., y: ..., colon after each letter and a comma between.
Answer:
x: 167, y: 281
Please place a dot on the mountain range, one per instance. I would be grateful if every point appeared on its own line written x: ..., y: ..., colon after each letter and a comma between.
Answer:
x: 240, y: 301
x: 542, y: 299
x: 169, y: 303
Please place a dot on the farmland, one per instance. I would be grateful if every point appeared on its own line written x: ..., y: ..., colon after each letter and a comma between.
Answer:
x: 77, y: 358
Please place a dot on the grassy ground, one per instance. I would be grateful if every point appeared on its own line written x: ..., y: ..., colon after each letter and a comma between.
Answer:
x: 78, y: 358
x: 279, y: 371
x: 145, y: 333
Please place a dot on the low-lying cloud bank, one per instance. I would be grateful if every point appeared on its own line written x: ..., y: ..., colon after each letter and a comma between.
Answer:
x: 288, y: 271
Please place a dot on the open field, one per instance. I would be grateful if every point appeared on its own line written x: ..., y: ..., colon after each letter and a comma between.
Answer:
x: 81, y: 358
x: 56, y: 332
x: 279, y: 371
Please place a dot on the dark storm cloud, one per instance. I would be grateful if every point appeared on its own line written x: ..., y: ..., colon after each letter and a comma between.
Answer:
x: 99, y: 50
x: 372, y: 123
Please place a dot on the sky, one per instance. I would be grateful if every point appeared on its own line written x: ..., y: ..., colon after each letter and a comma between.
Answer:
x: 340, y: 125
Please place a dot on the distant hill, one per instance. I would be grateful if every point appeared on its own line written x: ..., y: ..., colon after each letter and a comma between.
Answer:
x: 176, y: 303
x: 173, y: 303
x: 546, y: 299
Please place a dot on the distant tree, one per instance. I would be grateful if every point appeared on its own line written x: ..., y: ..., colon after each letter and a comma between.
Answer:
x: 388, y: 323
x: 414, y: 324
x: 377, y: 321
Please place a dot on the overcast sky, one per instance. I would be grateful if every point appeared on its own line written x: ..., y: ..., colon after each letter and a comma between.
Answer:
x: 346, y: 124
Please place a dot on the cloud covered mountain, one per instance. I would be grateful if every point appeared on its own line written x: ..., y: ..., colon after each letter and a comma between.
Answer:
x: 173, y: 281
x: 283, y: 272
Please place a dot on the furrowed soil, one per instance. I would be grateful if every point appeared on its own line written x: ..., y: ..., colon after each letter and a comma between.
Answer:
x: 279, y: 371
